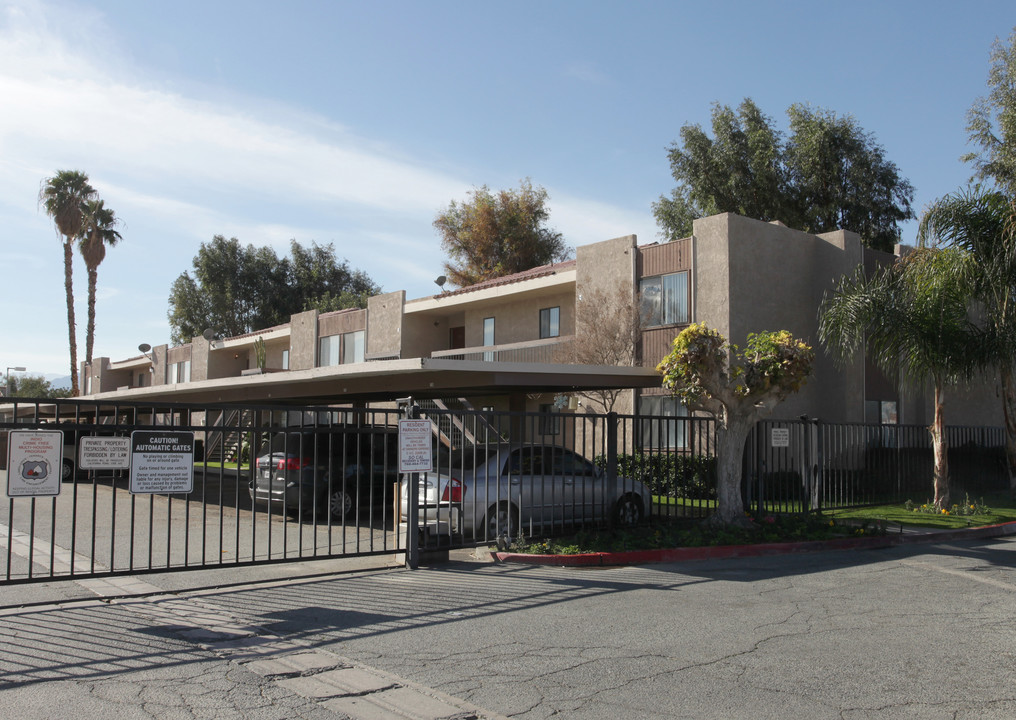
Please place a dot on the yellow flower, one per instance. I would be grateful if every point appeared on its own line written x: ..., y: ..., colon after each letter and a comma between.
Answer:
x: 971, y: 507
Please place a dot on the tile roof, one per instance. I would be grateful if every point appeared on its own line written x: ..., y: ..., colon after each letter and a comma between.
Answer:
x: 536, y: 272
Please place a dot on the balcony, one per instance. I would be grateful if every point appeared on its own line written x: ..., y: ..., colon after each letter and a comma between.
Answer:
x: 548, y: 350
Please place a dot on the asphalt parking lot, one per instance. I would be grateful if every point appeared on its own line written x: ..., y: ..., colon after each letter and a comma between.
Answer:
x: 920, y: 631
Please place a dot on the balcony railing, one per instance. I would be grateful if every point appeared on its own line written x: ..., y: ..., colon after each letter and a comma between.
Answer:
x: 548, y: 350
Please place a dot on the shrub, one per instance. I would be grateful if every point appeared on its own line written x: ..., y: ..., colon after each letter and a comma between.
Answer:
x: 670, y: 475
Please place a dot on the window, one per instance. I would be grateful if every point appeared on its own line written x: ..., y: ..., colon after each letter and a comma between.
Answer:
x: 665, y: 299
x: 664, y: 424
x: 285, y: 359
x: 328, y: 350
x: 488, y: 337
x: 183, y: 372
x: 550, y: 420
x: 550, y: 322
x: 340, y: 349
x: 352, y: 347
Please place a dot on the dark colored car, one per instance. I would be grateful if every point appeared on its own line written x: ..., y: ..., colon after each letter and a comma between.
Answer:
x: 328, y: 470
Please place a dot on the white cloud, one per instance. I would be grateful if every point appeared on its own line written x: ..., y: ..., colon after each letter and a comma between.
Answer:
x: 178, y: 170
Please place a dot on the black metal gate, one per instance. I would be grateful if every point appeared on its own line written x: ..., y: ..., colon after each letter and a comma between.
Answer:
x: 270, y: 484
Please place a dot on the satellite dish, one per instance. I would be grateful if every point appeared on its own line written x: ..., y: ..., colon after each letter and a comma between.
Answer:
x: 144, y: 347
x: 441, y: 280
x: 208, y: 334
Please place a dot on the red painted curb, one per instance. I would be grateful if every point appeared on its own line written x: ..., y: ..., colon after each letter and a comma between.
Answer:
x: 641, y: 557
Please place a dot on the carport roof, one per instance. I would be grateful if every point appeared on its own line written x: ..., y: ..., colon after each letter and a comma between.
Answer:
x: 386, y: 380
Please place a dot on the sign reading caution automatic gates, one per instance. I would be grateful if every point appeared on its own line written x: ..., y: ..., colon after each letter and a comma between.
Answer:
x: 162, y: 461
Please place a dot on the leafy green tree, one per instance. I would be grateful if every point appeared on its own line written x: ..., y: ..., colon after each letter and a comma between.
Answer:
x: 35, y: 386
x: 983, y: 224
x: 910, y: 317
x: 324, y: 283
x: 64, y: 196
x: 829, y: 174
x: 496, y: 234
x: 991, y: 121
x: 738, y: 388
x: 100, y: 230
x: 236, y: 289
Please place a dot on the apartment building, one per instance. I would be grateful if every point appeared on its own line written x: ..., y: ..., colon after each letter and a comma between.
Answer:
x: 507, y: 343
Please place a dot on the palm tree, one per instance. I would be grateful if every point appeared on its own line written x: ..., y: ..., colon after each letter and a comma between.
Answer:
x: 909, y: 317
x: 983, y: 224
x: 63, y: 196
x: 100, y: 231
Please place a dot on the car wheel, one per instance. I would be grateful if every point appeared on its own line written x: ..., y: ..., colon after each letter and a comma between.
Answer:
x: 502, y: 521
x: 340, y: 504
x: 628, y: 510
x: 67, y: 470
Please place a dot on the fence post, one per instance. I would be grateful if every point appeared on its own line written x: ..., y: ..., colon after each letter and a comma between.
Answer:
x: 612, y: 421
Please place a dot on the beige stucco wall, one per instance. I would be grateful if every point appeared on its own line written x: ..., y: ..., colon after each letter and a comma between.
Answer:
x: 751, y: 276
x: 384, y: 323
x: 602, y: 267
x: 303, y: 340
x: 517, y: 319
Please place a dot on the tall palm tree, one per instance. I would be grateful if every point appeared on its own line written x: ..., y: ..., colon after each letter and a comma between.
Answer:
x: 909, y: 317
x: 100, y: 230
x: 983, y: 224
x: 63, y: 196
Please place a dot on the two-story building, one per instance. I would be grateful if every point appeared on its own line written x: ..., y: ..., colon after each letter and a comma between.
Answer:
x: 506, y: 343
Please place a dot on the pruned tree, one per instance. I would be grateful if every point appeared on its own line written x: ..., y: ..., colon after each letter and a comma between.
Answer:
x: 738, y: 388
x: 64, y: 196
x: 608, y: 334
x: 496, y: 234
x: 909, y: 318
x: 828, y: 174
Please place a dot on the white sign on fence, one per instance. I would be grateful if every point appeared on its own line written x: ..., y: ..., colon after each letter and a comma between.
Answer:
x: 415, y: 453
x: 34, y: 462
x: 780, y: 437
x: 104, y: 453
x: 162, y: 461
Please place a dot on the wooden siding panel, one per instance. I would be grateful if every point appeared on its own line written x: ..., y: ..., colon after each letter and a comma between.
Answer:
x: 657, y: 342
x: 342, y: 323
x: 664, y: 258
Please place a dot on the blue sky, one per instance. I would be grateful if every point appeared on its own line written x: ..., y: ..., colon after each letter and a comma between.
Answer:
x: 355, y: 123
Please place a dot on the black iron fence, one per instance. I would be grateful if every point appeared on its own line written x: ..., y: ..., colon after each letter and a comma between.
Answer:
x: 278, y: 483
x: 794, y: 466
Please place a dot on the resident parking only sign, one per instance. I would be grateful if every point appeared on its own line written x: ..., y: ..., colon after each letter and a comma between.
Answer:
x: 162, y: 461
x: 415, y: 454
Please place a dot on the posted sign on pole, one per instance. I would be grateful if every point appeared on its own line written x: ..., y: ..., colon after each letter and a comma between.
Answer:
x: 162, y: 461
x: 104, y: 453
x: 34, y: 463
x: 415, y: 453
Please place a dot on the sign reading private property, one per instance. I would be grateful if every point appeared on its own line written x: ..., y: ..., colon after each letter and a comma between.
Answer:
x: 104, y: 453
x: 415, y: 453
x: 34, y: 460
x: 162, y: 461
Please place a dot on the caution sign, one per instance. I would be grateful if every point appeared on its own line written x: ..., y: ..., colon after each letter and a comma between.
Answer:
x: 162, y: 462
x: 34, y: 459
x: 104, y: 453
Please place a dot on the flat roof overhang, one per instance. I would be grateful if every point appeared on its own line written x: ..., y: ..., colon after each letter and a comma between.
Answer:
x: 386, y: 380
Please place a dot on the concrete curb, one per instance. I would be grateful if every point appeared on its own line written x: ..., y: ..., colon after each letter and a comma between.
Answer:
x: 642, y: 557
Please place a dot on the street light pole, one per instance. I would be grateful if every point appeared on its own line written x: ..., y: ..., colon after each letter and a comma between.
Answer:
x: 7, y: 387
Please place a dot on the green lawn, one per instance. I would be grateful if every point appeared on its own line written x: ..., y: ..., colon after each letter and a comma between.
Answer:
x: 991, y: 510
